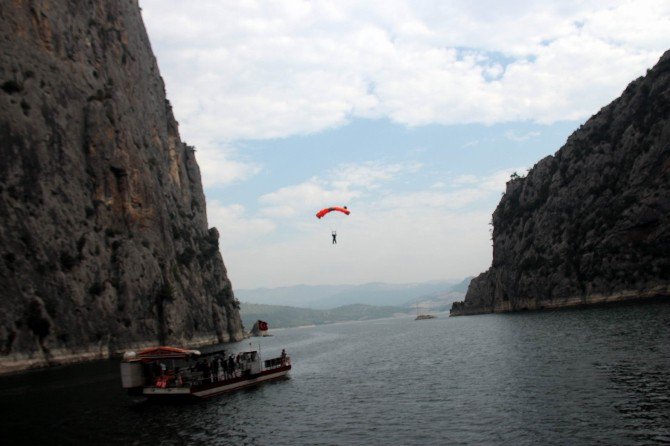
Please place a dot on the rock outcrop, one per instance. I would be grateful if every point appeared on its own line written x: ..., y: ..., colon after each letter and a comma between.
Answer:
x: 104, y: 242
x: 590, y: 224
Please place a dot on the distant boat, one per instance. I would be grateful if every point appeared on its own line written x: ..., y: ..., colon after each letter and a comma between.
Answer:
x: 421, y: 317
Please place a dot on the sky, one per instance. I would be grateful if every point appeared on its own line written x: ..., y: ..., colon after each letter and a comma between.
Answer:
x: 414, y: 114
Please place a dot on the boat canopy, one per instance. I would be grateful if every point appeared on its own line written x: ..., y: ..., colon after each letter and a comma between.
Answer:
x: 155, y: 353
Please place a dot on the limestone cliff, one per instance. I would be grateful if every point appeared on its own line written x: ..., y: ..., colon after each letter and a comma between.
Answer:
x: 590, y: 224
x: 103, y: 230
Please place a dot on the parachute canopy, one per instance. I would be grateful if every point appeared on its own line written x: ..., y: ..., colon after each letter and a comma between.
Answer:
x: 323, y: 212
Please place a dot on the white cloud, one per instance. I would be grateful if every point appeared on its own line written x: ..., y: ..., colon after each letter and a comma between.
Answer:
x: 512, y: 136
x: 304, y: 199
x: 340, y: 186
x: 279, y: 211
x: 220, y: 168
x: 369, y: 175
x: 253, y: 70
x: 236, y: 227
x: 435, y: 233
x: 257, y: 70
x: 465, y: 179
x: 466, y: 192
x: 394, y: 244
x: 471, y: 143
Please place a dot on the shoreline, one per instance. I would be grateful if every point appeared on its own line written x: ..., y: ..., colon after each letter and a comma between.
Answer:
x: 23, y: 362
x: 568, y: 302
x: 395, y: 316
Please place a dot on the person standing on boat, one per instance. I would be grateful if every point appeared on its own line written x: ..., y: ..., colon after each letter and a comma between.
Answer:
x: 224, y: 367
x: 283, y: 357
x: 156, y: 369
x: 148, y: 372
x: 207, y: 371
x: 215, y: 369
x: 231, y: 365
x: 220, y: 361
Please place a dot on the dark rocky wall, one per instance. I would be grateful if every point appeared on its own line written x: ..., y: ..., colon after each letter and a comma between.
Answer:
x: 590, y: 224
x: 103, y: 229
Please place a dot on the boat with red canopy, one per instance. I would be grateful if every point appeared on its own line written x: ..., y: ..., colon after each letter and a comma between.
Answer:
x: 171, y: 372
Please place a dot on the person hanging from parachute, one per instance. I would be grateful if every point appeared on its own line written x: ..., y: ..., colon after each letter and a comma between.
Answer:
x: 322, y: 213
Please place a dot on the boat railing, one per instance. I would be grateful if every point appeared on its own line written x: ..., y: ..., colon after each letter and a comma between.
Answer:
x: 189, y: 378
x: 277, y: 362
x: 194, y: 376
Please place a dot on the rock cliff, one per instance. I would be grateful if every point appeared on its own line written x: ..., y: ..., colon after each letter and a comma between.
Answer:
x: 590, y: 224
x: 104, y: 242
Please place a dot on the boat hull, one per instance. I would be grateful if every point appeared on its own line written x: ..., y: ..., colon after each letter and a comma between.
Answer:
x: 208, y: 390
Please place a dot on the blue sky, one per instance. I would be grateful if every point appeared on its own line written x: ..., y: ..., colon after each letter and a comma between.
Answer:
x: 413, y: 114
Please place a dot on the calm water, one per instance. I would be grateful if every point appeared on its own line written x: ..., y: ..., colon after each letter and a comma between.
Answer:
x: 596, y: 376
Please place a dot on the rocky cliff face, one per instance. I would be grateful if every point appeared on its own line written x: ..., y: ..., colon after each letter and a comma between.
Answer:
x: 590, y: 224
x: 103, y: 230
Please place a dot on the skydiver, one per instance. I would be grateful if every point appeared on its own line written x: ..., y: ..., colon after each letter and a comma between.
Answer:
x: 334, y: 238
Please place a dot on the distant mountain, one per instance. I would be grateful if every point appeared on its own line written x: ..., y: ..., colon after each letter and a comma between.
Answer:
x: 332, y: 296
x: 297, y: 296
x: 279, y: 316
x: 441, y: 300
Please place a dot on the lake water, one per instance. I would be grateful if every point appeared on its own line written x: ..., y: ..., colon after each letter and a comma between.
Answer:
x: 594, y: 376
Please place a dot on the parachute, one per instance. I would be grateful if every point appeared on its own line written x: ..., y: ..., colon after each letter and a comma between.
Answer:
x: 323, y: 212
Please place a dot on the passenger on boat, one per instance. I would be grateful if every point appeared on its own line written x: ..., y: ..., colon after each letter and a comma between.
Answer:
x: 200, y: 369
x: 231, y: 365
x: 156, y: 369
x: 218, y: 368
x: 215, y: 370
x: 147, y: 372
x: 224, y: 367
x: 283, y: 357
x: 207, y: 371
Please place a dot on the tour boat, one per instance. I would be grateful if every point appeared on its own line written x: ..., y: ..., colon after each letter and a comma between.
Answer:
x: 170, y: 372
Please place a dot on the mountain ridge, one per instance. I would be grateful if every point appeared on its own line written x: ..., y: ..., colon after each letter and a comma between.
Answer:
x: 332, y: 296
x: 283, y: 316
